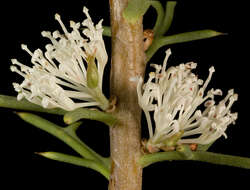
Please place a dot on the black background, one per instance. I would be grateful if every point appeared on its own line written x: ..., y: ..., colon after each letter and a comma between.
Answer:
x: 22, y: 22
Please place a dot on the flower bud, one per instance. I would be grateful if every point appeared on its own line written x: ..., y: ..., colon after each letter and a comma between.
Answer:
x: 92, y: 73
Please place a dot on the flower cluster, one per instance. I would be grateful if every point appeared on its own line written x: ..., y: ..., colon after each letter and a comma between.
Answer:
x: 175, y: 96
x: 59, y: 77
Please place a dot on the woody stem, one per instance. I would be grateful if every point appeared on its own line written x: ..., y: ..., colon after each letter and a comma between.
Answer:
x: 128, y: 63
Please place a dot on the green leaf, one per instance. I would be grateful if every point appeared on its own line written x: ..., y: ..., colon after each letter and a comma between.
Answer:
x: 135, y: 10
x: 61, y: 134
x: 160, y: 15
x: 222, y: 159
x: 209, y: 157
x: 13, y: 103
x: 82, y: 113
x: 168, y: 18
x: 179, y: 38
x: 77, y: 161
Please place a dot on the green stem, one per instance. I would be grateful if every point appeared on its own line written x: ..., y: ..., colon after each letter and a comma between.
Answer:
x: 160, y: 15
x: 169, y: 14
x: 97, y: 115
x: 208, y: 157
x: 61, y: 134
x: 179, y: 38
x: 13, y: 103
x: 77, y: 161
x: 106, y: 31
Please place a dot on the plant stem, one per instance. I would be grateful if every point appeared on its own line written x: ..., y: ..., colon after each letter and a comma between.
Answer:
x: 128, y: 63
x: 77, y: 161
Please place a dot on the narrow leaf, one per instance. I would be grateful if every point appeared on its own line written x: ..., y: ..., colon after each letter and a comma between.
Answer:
x: 77, y: 161
x: 60, y: 133
x: 71, y: 131
x: 179, y: 38
x: 160, y: 15
x: 209, y: 157
x: 97, y: 115
x: 168, y: 18
x: 13, y: 103
x: 222, y: 159
x: 188, y: 36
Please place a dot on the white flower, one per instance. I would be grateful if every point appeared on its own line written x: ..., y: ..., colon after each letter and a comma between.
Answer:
x: 58, y: 77
x: 176, y: 95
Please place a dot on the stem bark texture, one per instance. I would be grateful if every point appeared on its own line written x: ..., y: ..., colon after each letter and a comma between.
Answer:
x: 128, y: 64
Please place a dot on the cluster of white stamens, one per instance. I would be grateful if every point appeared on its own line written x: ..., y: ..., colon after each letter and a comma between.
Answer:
x: 175, y: 95
x: 58, y: 77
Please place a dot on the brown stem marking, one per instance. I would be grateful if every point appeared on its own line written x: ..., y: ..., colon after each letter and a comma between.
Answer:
x: 148, y: 38
x: 128, y: 63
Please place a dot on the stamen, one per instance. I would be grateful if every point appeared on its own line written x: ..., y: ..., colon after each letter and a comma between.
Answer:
x: 211, y: 71
x: 24, y: 47
x: 168, y: 53
x: 58, y: 18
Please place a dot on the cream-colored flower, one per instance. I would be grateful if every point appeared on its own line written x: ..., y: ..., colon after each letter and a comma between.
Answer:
x: 174, y: 95
x: 58, y: 77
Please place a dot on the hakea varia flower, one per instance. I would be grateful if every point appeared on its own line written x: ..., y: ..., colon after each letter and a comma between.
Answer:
x: 69, y: 74
x: 176, y: 96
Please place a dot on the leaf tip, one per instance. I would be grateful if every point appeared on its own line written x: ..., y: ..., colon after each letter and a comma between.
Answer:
x: 46, y: 154
x: 20, y: 114
x: 39, y: 153
x: 216, y: 33
x: 172, y: 3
